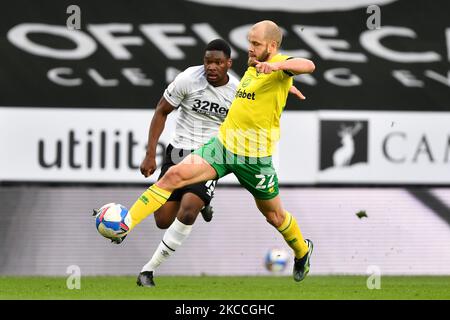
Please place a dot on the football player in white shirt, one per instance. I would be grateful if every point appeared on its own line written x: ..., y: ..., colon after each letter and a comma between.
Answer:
x: 202, y: 95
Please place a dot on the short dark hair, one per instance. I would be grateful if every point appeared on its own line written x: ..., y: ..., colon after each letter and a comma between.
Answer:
x: 219, y: 45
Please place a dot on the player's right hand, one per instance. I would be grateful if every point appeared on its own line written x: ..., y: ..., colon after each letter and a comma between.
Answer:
x: 265, y: 67
x: 148, y: 166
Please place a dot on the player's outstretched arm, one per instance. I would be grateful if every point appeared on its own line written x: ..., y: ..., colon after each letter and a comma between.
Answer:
x: 148, y: 165
x: 295, y: 66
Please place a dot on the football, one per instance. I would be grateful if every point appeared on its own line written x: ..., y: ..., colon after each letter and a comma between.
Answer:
x: 112, y: 221
x: 276, y: 260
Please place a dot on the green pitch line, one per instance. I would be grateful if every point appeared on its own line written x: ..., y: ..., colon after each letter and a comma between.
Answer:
x: 240, y: 288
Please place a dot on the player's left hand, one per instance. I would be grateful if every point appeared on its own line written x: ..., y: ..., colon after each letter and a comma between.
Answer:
x: 293, y: 90
x: 265, y: 67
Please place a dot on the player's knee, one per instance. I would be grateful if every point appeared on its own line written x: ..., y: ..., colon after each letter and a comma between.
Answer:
x: 187, y: 214
x: 162, y: 222
x: 174, y: 176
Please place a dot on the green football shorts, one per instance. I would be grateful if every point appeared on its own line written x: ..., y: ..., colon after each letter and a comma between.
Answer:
x: 256, y: 174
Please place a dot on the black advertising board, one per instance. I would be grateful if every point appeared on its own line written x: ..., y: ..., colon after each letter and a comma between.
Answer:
x: 126, y: 52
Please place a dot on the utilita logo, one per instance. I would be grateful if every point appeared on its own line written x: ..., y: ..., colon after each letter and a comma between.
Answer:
x: 93, y: 149
x: 343, y: 143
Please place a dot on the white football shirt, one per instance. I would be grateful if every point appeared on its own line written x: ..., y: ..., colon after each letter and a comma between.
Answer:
x: 201, y: 107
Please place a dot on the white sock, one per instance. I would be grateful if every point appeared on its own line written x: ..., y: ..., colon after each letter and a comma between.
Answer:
x: 173, y: 238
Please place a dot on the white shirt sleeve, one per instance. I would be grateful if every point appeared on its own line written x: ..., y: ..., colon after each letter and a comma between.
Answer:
x: 178, y: 89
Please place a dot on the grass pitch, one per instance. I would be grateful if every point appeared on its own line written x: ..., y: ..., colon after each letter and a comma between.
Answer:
x: 227, y: 288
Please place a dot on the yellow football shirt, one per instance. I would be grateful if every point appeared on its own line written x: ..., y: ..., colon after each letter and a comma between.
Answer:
x: 252, y: 125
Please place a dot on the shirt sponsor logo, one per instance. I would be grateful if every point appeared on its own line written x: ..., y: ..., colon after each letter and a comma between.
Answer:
x: 209, y: 108
x: 245, y: 95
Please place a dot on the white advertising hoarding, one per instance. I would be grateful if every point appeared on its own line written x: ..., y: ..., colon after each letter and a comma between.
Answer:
x: 79, y: 145
x: 74, y: 144
x: 323, y: 147
x: 384, y: 147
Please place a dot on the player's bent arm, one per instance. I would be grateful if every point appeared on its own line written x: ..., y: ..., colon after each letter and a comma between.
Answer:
x: 148, y: 165
x: 163, y: 109
x: 296, y: 65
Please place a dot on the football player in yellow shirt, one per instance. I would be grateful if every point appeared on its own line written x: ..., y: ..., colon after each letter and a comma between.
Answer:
x: 243, y: 147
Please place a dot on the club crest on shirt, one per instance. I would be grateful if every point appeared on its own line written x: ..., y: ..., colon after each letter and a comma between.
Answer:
x: 246, y: 82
